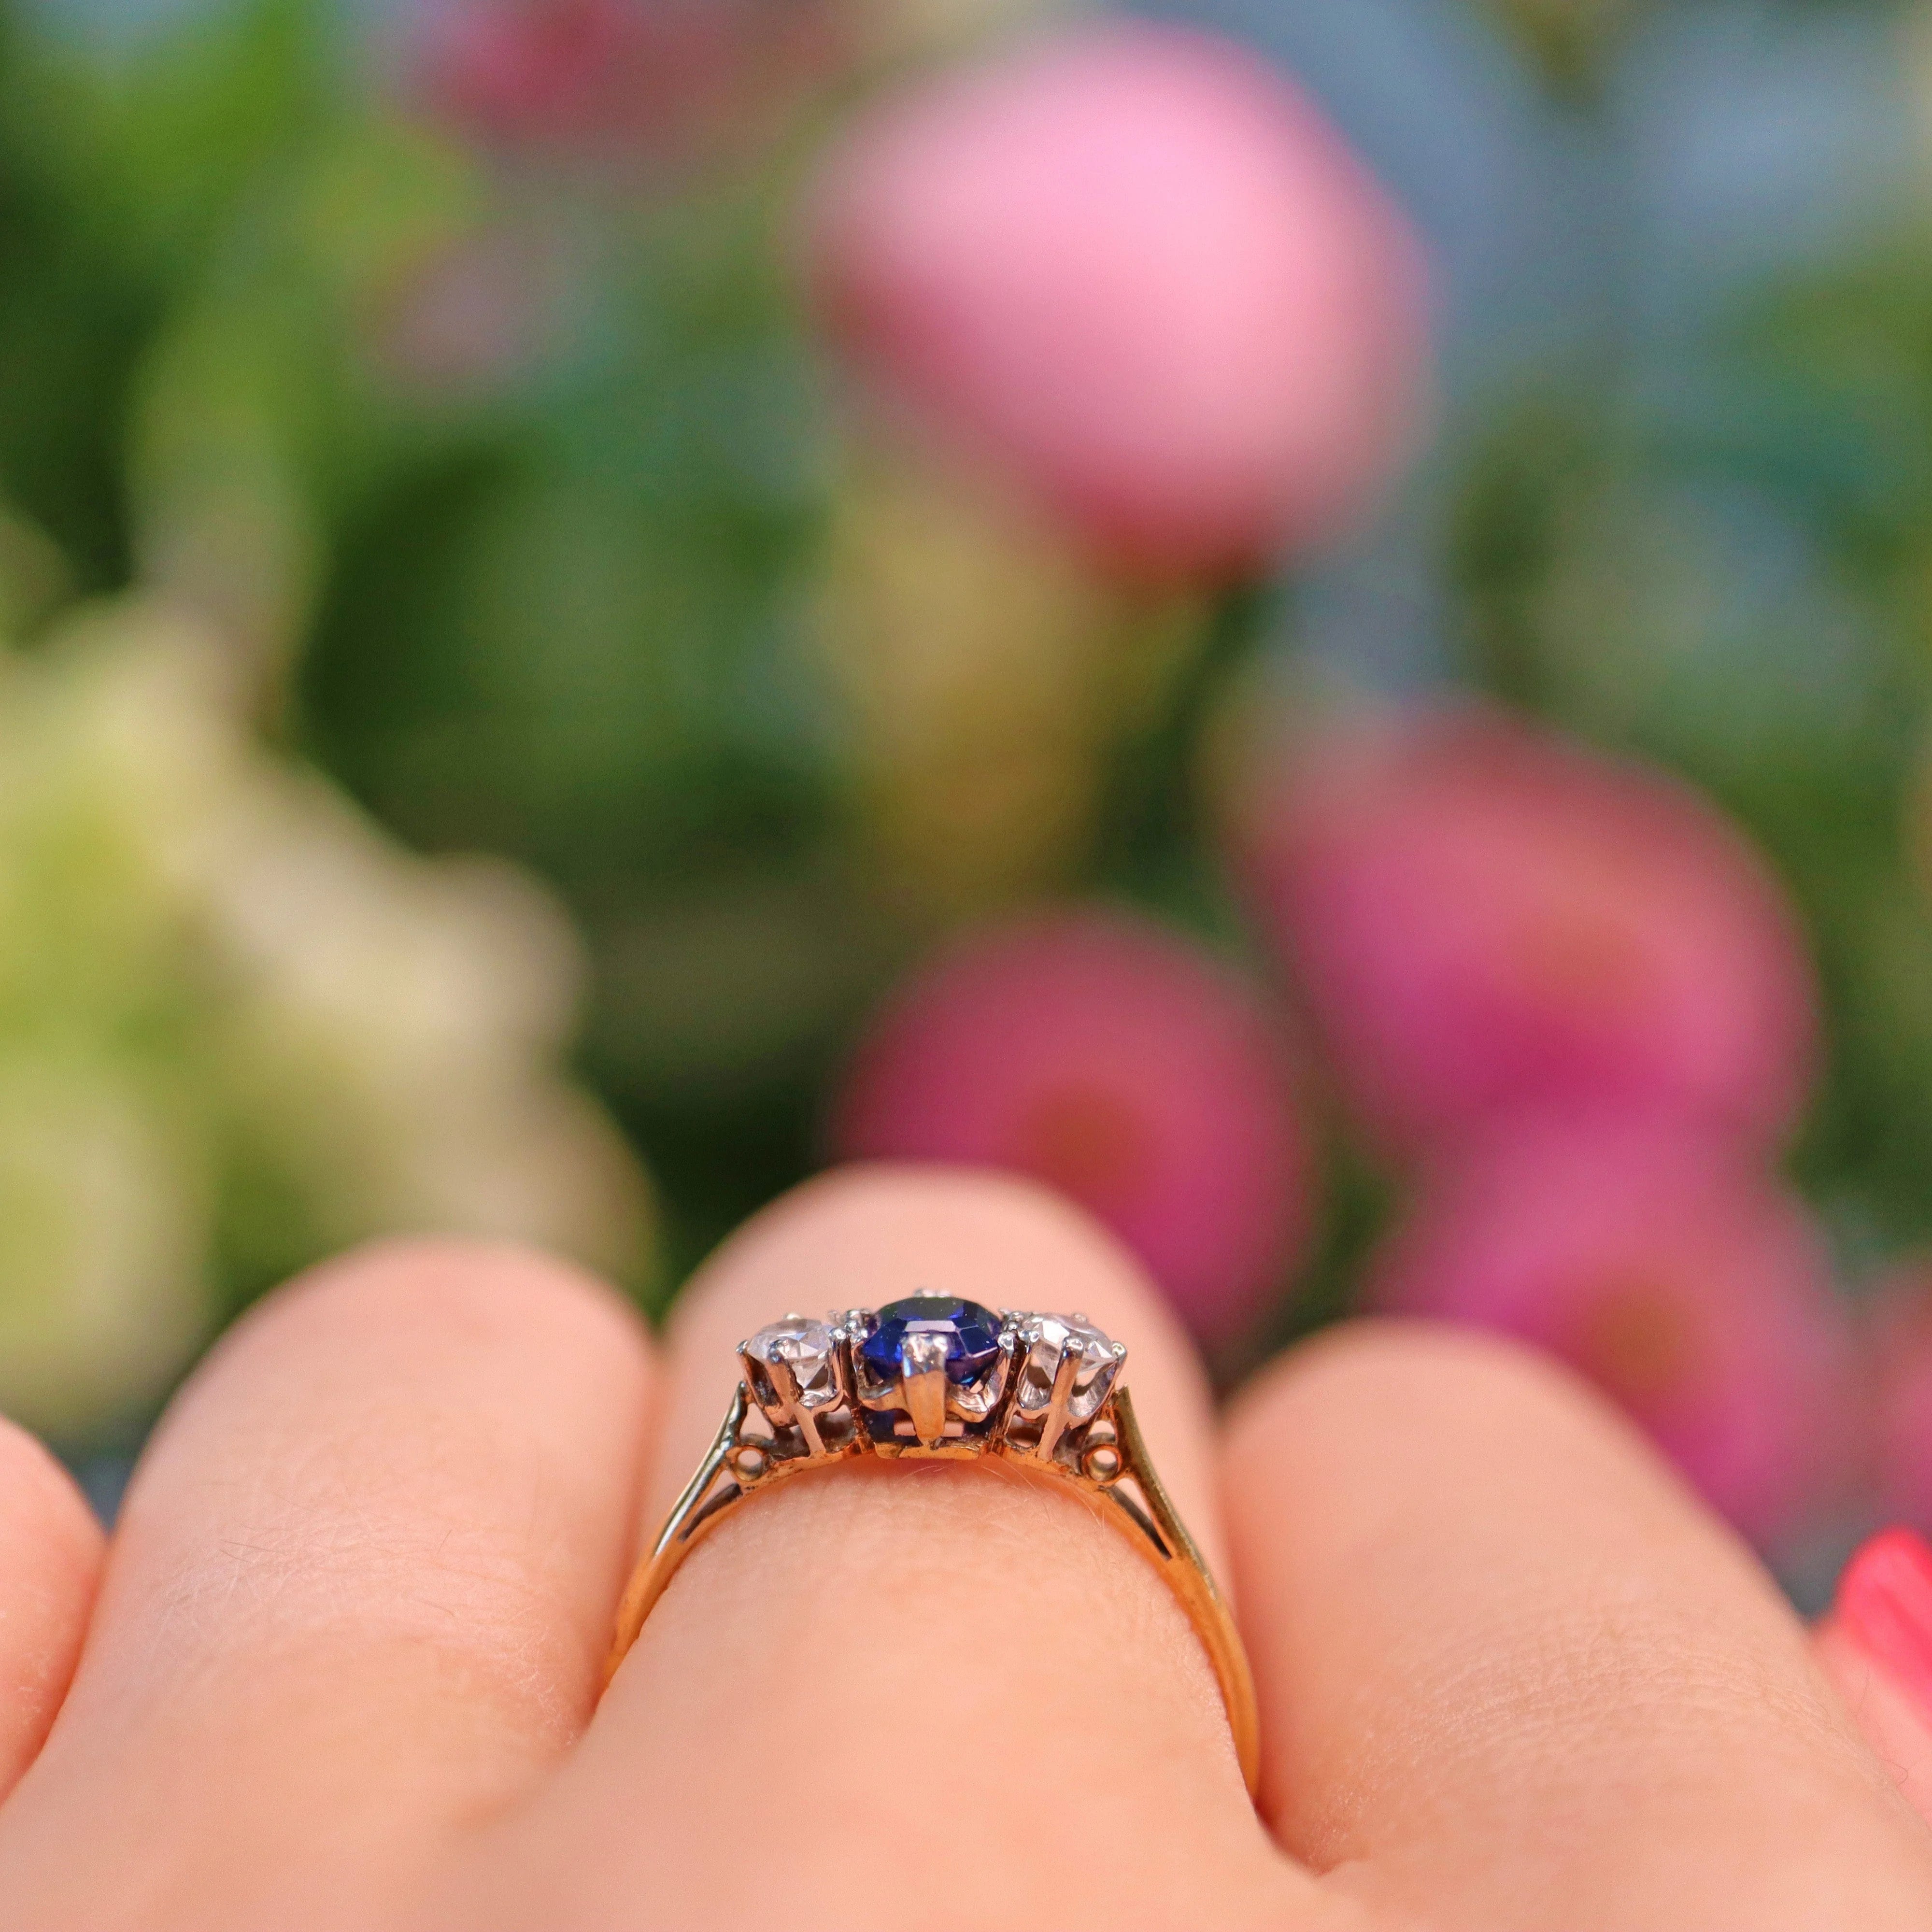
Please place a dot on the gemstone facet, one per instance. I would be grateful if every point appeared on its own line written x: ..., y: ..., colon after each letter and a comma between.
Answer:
x: 1042, y: 1339
x: 808, y: 1349
x: 970, y: 1335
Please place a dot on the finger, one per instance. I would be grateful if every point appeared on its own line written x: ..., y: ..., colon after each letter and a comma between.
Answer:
x: 1512, y: 1675
x: 1876, y: 1646
x: 49, y: 1562
x: 979, y: 1664
x: 359, y: 1593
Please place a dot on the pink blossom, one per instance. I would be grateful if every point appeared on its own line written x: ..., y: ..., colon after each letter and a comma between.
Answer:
x: 1135, y: 269
x: 1664, y: 1266
x: 1484, y: 916
x: 662, y: 77
x: 1119, y: 1062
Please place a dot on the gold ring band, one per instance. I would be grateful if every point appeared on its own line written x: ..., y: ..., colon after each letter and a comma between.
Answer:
x: 933, y: 1376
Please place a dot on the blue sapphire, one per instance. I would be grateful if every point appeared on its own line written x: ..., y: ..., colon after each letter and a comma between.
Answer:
x: 972, y: 1335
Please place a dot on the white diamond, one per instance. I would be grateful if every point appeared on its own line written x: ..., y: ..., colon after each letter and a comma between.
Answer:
x: 806, y: 1348
x: 1042, y: 1339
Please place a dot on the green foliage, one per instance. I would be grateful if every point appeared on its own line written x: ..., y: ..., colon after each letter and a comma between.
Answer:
x: 116, y: 181
x: 1741, y: 587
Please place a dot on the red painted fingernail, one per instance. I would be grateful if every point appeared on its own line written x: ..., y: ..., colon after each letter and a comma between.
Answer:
x: 1884, y: 1606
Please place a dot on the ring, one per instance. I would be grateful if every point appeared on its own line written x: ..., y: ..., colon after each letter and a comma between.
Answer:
x: 934, y: 1376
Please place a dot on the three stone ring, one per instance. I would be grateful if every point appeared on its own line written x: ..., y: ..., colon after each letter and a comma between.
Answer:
x: 934, y: 1376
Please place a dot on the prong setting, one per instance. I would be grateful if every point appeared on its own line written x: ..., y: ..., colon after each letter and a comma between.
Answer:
x: 922, y: 1386
x: 931, y: 1376
x: 1064, y: 1370
x: 929, y: 1372
x: 795, y: 1372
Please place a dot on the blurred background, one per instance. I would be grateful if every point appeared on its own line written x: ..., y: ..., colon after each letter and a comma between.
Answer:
x: 1311, y: 623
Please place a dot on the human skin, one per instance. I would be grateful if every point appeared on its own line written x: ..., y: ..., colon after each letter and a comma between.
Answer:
x: 339, y: 1667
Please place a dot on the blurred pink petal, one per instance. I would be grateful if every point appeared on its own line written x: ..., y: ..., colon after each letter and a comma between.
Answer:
x: 1117, y: 1062
x: 1133, y: 266
x: 1486, y: 917
x: 658, y: 77
x: 1690, y: 1288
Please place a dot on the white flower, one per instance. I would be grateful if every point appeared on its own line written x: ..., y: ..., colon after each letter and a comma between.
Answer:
x: 104, y: 1216
x: 342, y: 1038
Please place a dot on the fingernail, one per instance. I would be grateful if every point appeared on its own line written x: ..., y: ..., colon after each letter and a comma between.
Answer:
x: 1884, y: 1606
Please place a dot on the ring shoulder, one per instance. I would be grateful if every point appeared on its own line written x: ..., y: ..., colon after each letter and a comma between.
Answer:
x: 934, y: 1376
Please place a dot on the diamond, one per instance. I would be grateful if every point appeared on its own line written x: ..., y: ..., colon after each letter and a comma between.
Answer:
x: 970, y: 1332
x: 808, y: 1349
x: 1042, y: 1339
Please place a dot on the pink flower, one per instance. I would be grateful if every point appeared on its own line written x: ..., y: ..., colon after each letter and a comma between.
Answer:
x: 1661, y: 1264
x: 1134, y: 268
x: 1485, y: 917
x: 1115, y: 1061
x: 662, y: 77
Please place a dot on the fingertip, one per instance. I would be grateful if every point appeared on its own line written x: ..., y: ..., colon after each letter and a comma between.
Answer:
x: 1439, y: 1376
x: 495, y: 1286
x: 40, y: 1501
x: 365, y: 1574
x: 1471, y: 1590
x: 435, y: 1297
x: 51, y: 1548
x: 867, y: 1220
x: 1876, y: 1647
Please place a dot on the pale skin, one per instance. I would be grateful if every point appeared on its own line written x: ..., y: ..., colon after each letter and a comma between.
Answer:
x: 339, y: 1667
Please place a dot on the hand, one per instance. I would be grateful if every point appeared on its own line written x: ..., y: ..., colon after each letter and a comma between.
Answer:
x: 341, y: 1667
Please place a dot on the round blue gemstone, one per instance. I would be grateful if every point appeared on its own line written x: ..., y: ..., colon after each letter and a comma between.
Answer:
x: 972, y: 1335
